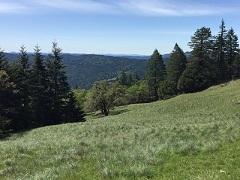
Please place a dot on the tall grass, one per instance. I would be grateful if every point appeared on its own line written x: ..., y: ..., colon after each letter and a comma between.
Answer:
x: 135, y: 144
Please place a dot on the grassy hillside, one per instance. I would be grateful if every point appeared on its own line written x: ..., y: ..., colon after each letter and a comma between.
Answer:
x: 193, y: 136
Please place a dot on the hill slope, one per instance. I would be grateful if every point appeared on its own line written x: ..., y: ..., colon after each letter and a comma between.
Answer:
x: 193, y: 136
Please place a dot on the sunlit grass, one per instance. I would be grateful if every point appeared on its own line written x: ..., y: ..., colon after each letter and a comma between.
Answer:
x: 137, y: 141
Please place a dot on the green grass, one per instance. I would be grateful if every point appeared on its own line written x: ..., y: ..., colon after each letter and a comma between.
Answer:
x: 193, y: 136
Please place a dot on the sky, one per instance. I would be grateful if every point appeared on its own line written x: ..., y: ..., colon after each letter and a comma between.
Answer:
x: 110, y: 26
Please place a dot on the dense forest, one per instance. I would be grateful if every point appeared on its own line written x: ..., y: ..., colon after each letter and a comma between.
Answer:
x: 38, y: 93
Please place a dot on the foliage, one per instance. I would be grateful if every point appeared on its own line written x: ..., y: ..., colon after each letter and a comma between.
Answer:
x: 137, y: 93
x: 36, y: 94
x: 236, y: 68
x: 232, y: 47
x: 103, y: 96
x: 175, y: 67
x: 155, y: 74
x: 127, y: 78
x: 20, y: 74
x: 7, y: 97
x: 196, y: 77
x: 61, y: 98
x: 81, y: 97
x: 220, y: 53
x: 39, y: 85
x: 3, y: 61
x: 167, y: 89
x: 201, y: 43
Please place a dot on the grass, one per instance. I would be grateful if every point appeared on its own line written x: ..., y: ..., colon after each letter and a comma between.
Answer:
x: 193, y: 136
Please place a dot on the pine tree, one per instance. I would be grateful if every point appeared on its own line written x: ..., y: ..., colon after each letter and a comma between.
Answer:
x: 59, y: 92
x: 231, y: 50
x: 58, y: 87
x: 39, y: 98
x: 201, y: 43
x: 73, y: 112
x: 130, y: 79
x: 155, y: 74
x: 196, y: 77
x: 236, y: 68
x: 7, y: 99
x: 3, y: 61
x: 123, y: 78
x: 21, y: 77
x: 175, y: 67
x: 220, y: 53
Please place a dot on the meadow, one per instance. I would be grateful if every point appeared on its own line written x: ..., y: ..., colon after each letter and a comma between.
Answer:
x: 191, y: 136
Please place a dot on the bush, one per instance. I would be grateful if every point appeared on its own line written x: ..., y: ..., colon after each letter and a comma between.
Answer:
x: 138, y: 93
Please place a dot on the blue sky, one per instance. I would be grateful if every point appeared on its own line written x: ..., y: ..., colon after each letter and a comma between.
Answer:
x: 110, y: 26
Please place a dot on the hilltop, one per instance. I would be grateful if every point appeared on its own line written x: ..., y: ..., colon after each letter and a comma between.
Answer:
x: 191, y: 136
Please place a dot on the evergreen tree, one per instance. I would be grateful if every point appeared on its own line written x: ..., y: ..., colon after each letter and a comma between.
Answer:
x: 201, y: 43
x: 73, y: 112
x: 220, y: 53
x: 7, y: 99
x: 123, y: 78
x: 231, y: 50
x: 236, y: 68
x: 130, y: 79
x: 59, y: 92
x: 21, y: 77
x: 175, y: 67
x: 155, y: 74
x: 3, y: 62
x: 58, y: 87
x: 196, y: 77
x: 39, y: 89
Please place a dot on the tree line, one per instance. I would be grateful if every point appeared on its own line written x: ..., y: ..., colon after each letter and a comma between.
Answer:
x: 38, y: 94
x: 35, y: 94
x: 214, y: 59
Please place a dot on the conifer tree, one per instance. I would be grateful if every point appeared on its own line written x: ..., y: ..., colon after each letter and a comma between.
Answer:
x: 39, y: 98
x: 175, y: 67
x: 220, y: 53
x: 236, y: 68
x: 196, y: 76
x: 21, y: 77
x: 73, y: 113
x: 59, y: 92
x: 155, y: 74
x: 7, y: 99
x: 201, y: 43
x: 3, y: 61
x: 58, y: 87
x: 231, y: 50
x: 123, y: 78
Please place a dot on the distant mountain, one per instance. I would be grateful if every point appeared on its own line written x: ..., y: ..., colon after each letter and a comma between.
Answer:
x: 141, y: 57
x: 84, y: 69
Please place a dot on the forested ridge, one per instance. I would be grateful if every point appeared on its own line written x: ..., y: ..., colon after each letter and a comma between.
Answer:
x: 83, y: 70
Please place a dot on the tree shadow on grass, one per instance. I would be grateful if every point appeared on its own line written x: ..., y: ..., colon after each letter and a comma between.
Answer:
x: 117, y: 112
x: 113, y: 112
